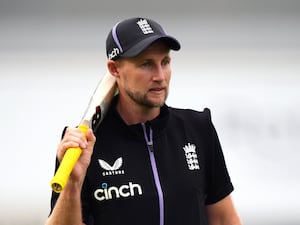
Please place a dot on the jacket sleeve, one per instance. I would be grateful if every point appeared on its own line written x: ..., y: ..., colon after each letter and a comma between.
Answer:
x: 219, y: 184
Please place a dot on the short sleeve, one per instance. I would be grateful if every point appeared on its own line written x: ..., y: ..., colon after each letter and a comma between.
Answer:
x: 219, y: 183
x: 86, y: 203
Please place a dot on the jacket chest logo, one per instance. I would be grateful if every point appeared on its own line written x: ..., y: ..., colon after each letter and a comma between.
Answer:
x: 109, y: 170
x: 191, y: 156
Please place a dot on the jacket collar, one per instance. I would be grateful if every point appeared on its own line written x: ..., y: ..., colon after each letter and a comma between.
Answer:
x: 158, y: 124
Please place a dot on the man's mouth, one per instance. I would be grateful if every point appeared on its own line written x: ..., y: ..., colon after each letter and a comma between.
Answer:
x: 157, y: 90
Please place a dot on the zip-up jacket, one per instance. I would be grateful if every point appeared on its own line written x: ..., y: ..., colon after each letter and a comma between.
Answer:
x: 162, y: 172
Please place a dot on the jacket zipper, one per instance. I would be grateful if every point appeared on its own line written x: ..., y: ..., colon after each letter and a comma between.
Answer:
x: 149, y: 142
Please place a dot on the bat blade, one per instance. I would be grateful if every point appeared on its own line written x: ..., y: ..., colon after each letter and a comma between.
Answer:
x: 100, y: 101
x: 93, y: 116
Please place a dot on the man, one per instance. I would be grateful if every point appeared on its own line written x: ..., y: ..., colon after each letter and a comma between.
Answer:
x: 151, y: 164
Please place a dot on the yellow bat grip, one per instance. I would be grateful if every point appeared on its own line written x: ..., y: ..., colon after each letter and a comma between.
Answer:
x: 66, y: 166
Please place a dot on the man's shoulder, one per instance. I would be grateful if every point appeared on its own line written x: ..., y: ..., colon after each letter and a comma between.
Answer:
x: 186, y: 113
x: 191, y: 120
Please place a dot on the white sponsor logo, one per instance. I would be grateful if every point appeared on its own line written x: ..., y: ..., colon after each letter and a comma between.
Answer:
x: 124, y: 191
x: 191, y: 156
x: 115, y: 52
x: 111, y: 170
x: 145, y: 26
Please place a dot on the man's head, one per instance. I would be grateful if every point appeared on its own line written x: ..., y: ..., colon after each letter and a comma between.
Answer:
x: 144, y: 78
x: 138, y: 52
x: 130, y: 37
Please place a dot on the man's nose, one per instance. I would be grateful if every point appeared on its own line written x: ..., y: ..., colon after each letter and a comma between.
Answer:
x: 159, y: 74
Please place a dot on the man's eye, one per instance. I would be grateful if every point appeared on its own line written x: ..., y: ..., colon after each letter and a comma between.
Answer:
x: 166, y: 62
x: 146, y: 64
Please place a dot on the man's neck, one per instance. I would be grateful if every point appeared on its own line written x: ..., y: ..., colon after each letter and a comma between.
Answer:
x: 133, y: 113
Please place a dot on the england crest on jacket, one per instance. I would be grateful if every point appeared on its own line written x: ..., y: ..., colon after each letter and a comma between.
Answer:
x: 191, y: 156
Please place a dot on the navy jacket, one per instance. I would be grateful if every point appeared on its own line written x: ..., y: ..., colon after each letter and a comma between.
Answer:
x: 163, y: 172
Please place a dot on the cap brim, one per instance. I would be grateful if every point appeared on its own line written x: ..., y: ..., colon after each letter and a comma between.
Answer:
x: 142, y: 45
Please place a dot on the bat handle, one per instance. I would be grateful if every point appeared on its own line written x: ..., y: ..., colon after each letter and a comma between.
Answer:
x: 66, y: 166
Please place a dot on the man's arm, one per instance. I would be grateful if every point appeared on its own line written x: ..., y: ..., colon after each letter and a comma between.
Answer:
x: 67, y: 210
x: 223, y: 213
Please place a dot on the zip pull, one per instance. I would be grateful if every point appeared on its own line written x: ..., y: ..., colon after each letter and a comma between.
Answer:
x: 151, y: 147
x: 149, y: 140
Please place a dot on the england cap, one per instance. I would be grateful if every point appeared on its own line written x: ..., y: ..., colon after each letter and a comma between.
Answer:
x: 130, y: 37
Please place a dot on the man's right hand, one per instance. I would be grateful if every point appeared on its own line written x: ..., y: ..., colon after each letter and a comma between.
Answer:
x: 75, y: 138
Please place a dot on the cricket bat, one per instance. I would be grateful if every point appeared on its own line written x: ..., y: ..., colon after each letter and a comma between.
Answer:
x: 93, y: 116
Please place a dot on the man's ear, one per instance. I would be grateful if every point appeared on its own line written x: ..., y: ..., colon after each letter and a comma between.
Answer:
x: 113, y: 68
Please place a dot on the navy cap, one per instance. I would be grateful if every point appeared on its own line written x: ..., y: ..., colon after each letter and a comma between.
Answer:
x: 130, y: 37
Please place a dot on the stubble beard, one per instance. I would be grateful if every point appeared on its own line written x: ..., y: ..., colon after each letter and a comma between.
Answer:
x: 143, y: 100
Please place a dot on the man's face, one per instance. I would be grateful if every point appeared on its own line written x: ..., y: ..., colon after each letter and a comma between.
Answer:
x: 145, y: 79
